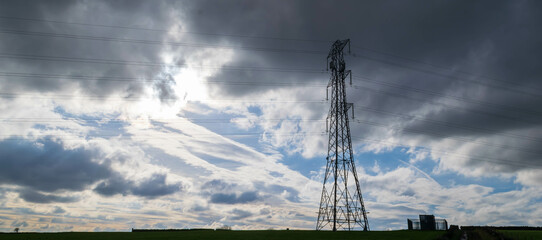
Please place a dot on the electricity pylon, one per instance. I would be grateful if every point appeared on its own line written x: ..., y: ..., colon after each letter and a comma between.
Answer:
x: 341, y: 204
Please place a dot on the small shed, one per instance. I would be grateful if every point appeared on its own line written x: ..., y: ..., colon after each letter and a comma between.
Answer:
x: 427, y: 222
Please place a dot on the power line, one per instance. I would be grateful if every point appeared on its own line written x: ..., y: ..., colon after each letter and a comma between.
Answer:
x: 236, y: 68
x: 13, y: 95
x: 434, y: 93
x: 162, y: 30
x: 103, y: 97
x: 271, y: 84
x: 373, y: 90
x: 148, y: 64
x: 255, y: 37
x: 135, y: 79
x: 249, y: 36
x: 364, y: 79
x: 506, y: 88
x: 449, y: 124
x: 154, y: 42
x: 157, y: 136
x: 435, y: 65
x: 289, y: 84
x: 233, y: 35
x: 169, y: 120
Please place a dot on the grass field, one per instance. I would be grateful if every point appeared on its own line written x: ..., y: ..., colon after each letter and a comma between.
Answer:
x: 226, y: 235
x: 521, y: 234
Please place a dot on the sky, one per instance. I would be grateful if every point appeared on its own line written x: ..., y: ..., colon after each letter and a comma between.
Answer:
x: 200, y: 114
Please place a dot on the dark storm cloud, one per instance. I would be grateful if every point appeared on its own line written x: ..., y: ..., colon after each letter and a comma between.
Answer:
x: 112, y: 186
x: 36, y: 197
x: 199, y: 208
x: 228, y: 193
x: 151, y: 187
x: 444, y: 33
x: 233, y: 198
x: 286, y: 19
x: 289, y: 193
x: 46, y: 165
x: 59, y: 210
x: 239, y: 214
x: 128, y: 13
x: 484, y: 54
x: 155, y: 186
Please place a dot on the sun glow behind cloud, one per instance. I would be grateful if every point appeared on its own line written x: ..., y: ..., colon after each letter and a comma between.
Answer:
x: 187, y: 83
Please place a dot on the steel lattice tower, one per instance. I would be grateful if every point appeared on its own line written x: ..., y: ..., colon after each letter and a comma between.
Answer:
x: 341, y: 204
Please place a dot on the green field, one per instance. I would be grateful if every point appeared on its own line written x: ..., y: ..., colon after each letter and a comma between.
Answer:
x: 521, y: 234
x: 226, y: 235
